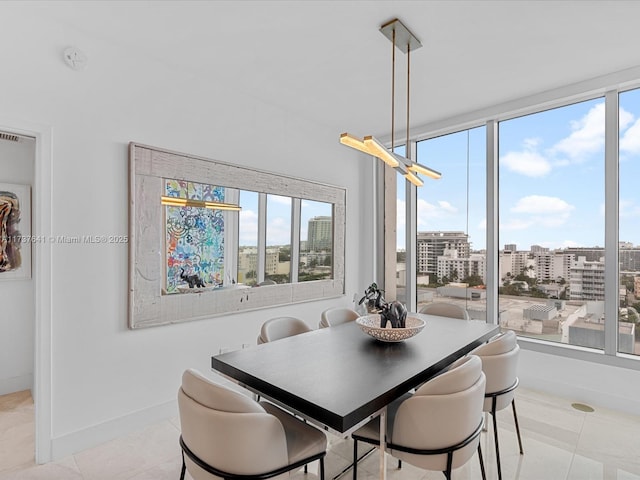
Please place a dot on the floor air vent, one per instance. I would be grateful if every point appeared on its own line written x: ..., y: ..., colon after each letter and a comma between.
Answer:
x: 582, y: 407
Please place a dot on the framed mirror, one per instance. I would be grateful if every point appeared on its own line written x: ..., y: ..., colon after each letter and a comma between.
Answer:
x: 209, y: 238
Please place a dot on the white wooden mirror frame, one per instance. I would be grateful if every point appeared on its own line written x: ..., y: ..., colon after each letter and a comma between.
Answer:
x: 148, y: 168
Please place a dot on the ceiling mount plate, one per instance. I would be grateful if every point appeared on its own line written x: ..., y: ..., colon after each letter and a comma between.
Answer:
x: 404, y: 38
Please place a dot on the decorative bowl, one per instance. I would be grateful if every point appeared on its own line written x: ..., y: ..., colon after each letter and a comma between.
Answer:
x: 370, y: 324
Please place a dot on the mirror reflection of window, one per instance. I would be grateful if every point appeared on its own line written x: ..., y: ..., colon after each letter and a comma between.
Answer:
x: 316, y: 241
x: 248, y: 238
x: 278, y: 240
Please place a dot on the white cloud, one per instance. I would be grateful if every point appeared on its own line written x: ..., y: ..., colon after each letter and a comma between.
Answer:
x: 279, y: 231
x: 427, y: 212
x: 400, y: 213
x: 528, y: 162
x: 447, y: 207
x: 280, y: 199
x: 248, y: 227
x: 630, y: 141
x: 570, y: 244
x: 531, y: 143
x: 624, y: 118
x: 515, y: 224
x: 585, y: 139
x: 628, y: 208
x: 483, y: 224
x: 587, y: 135
x: 536, y: 211
x: 540, y: 204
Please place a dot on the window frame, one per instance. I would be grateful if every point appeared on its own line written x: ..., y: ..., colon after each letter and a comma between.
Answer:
x: 609, y: 87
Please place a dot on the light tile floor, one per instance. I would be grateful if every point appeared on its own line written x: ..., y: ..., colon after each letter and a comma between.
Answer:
x: 559, y: 443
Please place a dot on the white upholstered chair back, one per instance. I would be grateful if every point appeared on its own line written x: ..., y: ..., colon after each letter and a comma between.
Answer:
x: 443, y: 412
x: 227, y: 429
x: 500, y: 364
x: 337, y: 315
x: 444, y: 309
x: 281, y: 327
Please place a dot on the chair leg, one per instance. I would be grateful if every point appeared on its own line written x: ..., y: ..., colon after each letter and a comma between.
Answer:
x: 484, y: 475
x: 399, y: 464
x: 321, y: 468
x: 447, y: 472
x: 515, y: 419
x: 305, y: 469
x: 184, y: 468
x: 355, y: 459
x: 495, y: 435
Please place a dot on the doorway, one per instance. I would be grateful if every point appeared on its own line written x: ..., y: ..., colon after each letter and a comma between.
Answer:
x: 17, y: 323
x: 25, y: 361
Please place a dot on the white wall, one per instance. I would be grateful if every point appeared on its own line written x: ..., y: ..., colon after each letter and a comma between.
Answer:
x: 16, y: 296
x: 107, y: 379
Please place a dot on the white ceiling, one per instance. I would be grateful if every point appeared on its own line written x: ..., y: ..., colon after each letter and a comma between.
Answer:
x: 327, y: 60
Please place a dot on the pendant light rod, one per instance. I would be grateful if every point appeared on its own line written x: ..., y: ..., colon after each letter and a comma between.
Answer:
x: 407, y: 152
x: 393, y: 88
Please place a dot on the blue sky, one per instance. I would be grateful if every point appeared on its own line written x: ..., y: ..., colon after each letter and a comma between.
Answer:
x: 551, y: 178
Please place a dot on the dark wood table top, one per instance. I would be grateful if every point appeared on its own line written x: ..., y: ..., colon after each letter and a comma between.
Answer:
x: 339, y: 376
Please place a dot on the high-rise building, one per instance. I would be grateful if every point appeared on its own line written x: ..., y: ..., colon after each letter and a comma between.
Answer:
x: 590, y: 254
x: 514, y: 263
x: 553, y: 265
x: 511, y: 247
x: 587, y: 280
x: 539, y: 249
x: 320, y: 234
x: 629, y: 259
x: 453, y: 267
x: 431, y: 245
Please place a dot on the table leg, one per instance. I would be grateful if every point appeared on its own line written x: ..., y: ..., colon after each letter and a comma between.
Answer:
x: 383, y: 436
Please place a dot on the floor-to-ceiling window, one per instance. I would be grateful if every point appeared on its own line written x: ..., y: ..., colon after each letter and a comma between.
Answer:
x: 551, y: 230
x: 451, y: 232
x: 401, y: 224
x: 566, y: 200
x: 629, y: 221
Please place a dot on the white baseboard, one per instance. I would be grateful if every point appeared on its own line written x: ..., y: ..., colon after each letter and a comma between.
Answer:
x: 95, y: 435
x: 16, y: 384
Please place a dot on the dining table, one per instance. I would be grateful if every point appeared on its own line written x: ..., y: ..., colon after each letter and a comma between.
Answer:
x: 339, y: 377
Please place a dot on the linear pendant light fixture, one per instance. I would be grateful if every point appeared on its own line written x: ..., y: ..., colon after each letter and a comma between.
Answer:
x: 402, y: 38
x: 188, y: 202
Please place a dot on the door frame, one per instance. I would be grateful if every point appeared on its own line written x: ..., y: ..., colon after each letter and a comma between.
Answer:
x: 41, y: 267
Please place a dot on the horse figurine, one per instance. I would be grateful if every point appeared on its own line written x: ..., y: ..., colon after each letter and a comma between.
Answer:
x: 373, y: 296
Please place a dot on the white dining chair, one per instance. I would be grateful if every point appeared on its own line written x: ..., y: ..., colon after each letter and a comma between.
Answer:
x: 336, y: 316
x: 444, y: 309
x: 225, y: 434
x: 281, y: 327
x: 499, y: 359
x: 438, y: 427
